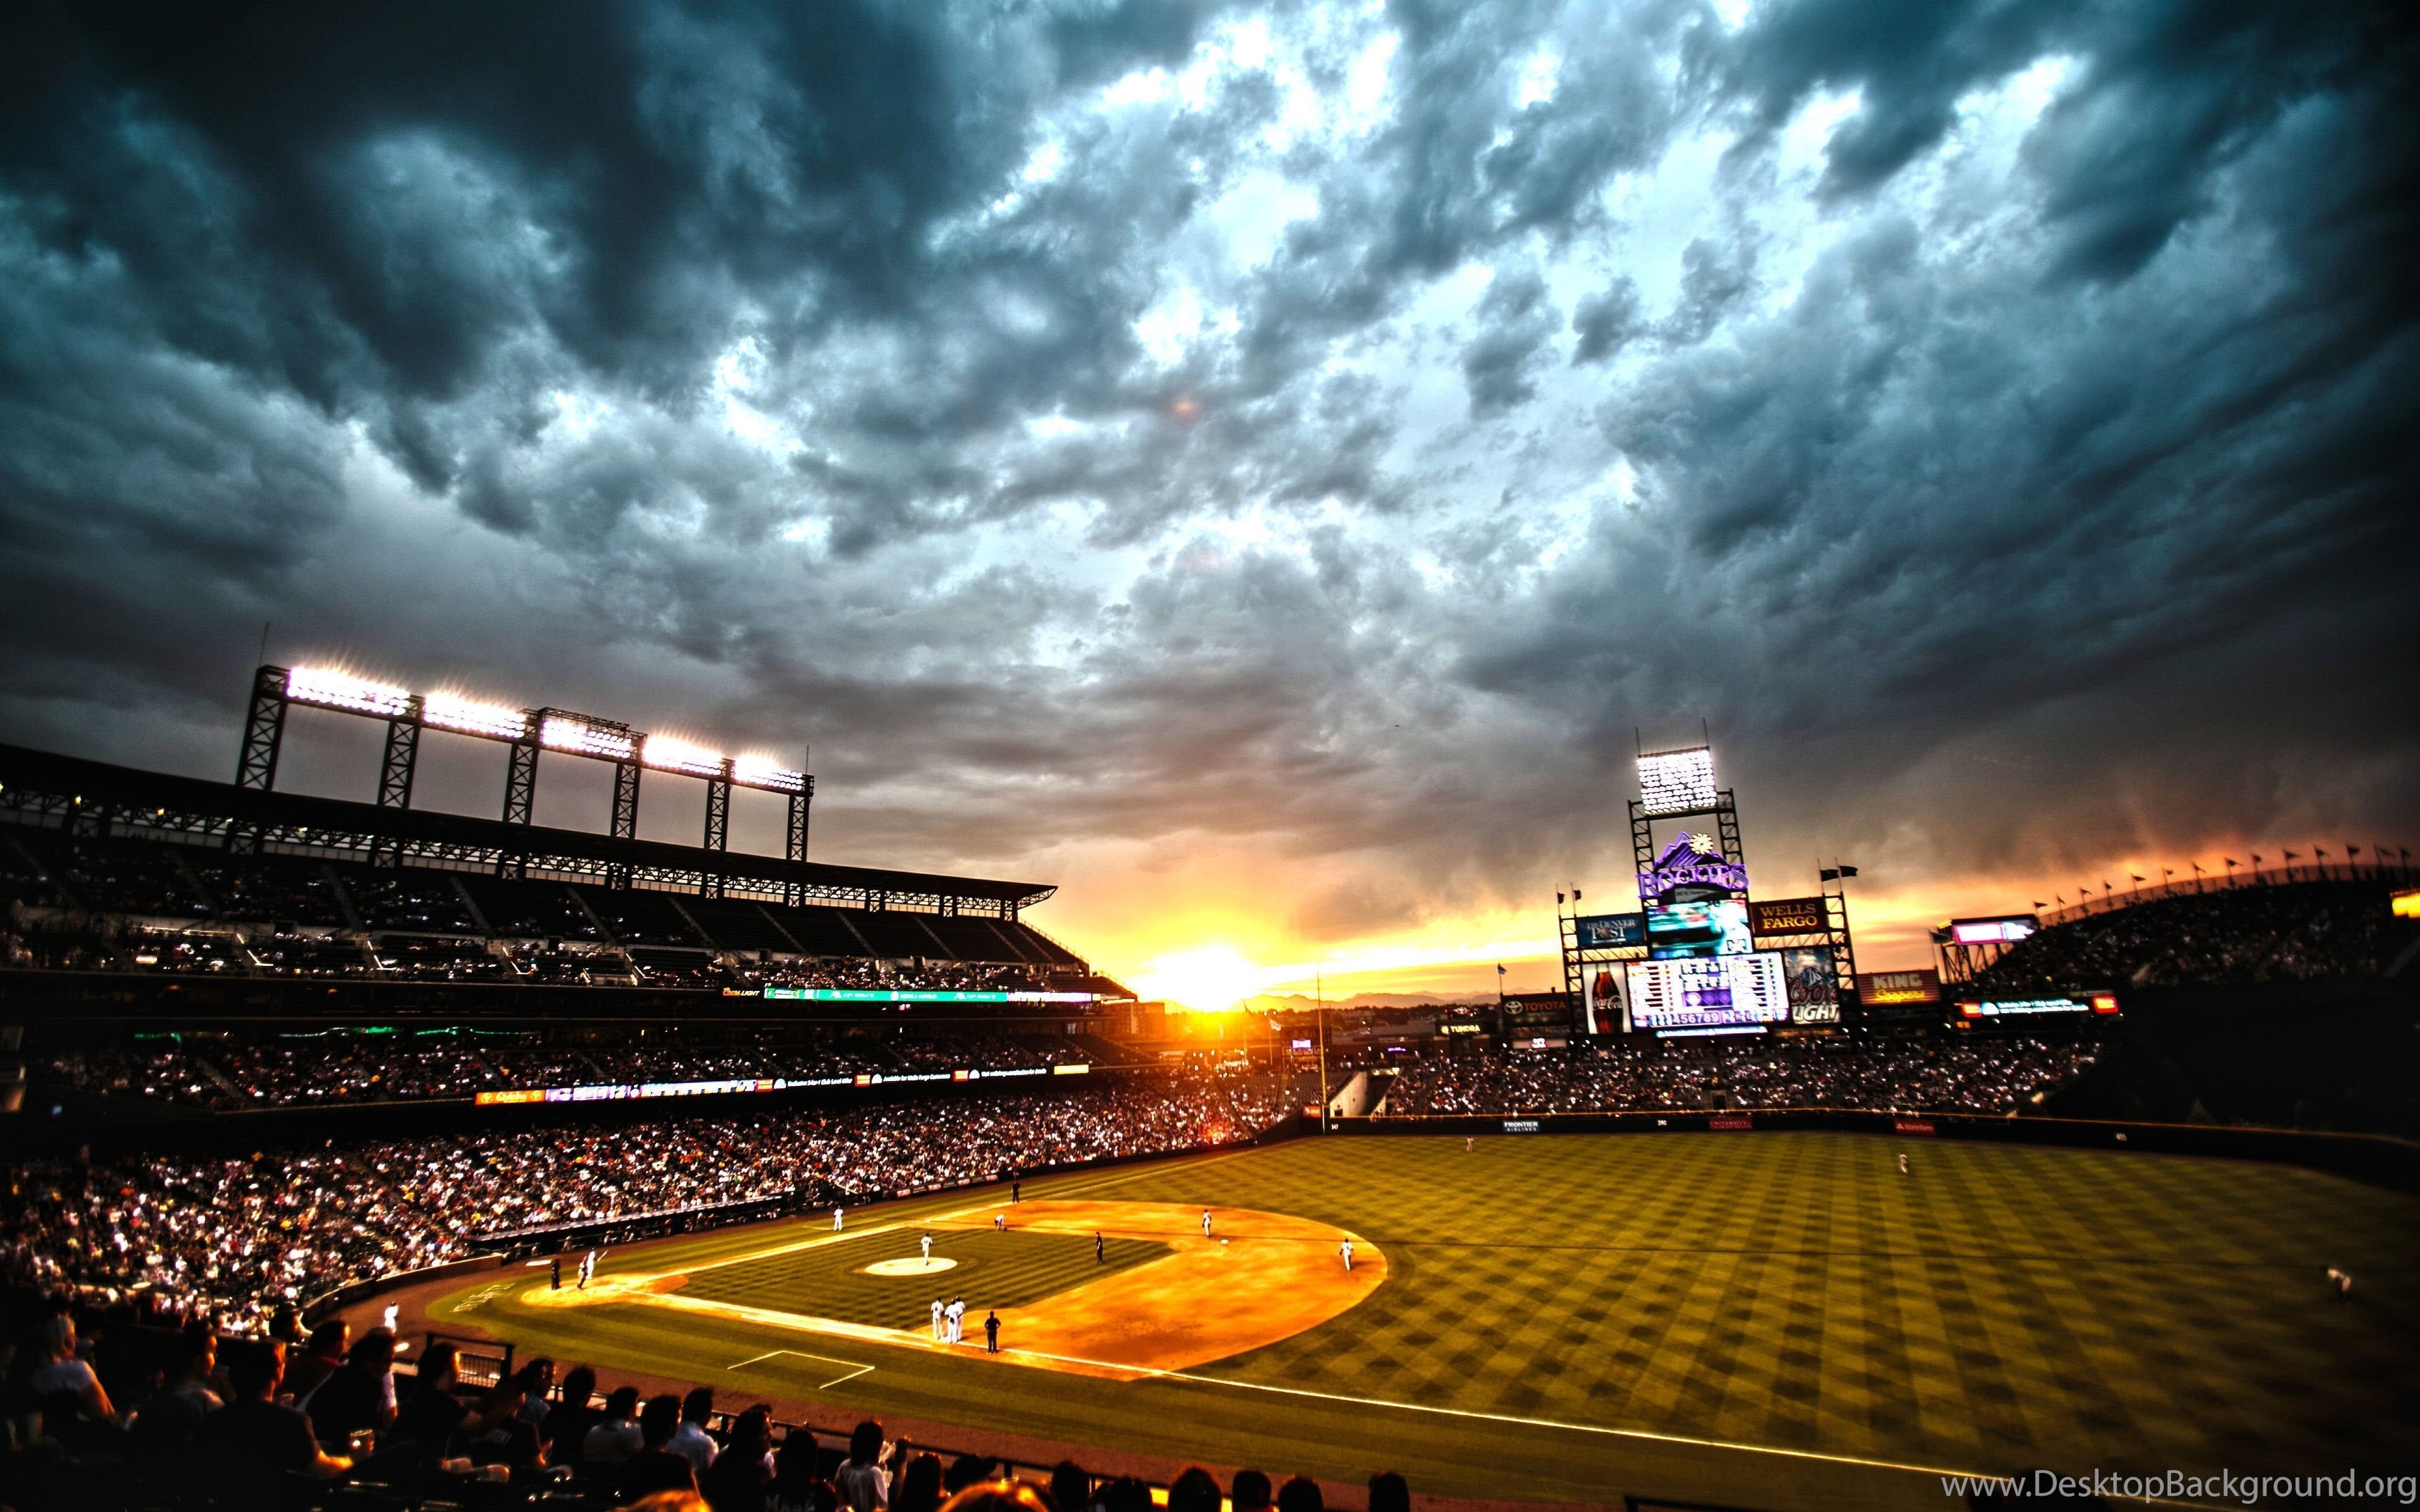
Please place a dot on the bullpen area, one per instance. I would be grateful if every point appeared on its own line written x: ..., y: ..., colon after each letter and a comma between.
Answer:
x: 1770, y: 1320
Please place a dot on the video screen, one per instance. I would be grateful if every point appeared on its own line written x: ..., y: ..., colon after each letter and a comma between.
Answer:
x: 1678, y: 930
x: 1709, y: 992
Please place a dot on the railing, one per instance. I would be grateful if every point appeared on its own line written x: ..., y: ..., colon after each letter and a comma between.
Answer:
x: 2241, y: 879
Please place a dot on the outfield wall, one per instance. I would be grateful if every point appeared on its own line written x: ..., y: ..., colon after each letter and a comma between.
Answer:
x: 2375, y: 1157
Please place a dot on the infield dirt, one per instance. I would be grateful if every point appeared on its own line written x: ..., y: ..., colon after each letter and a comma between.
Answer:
x: 1255, y: 1279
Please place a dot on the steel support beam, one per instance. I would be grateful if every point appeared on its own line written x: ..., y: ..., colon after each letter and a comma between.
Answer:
x: 402, y: 759
x: 521, y: 800
x: 1844, y: 954
x: 264, y: 734
x: 794, y: 836
x: 626, y: 815
x: 1727, y: 828
x: 264, y: 731
x: 717, y: 832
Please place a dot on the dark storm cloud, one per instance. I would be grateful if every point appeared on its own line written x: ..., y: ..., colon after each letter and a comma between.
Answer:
x: 1343, y: 431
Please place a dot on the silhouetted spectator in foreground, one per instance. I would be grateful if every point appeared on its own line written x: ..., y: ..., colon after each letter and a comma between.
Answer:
x: 361, y: 1394
x: 1300, y: 1494
x: 1251, y: 1492
x: 565, y: 1426
x: 1071, y: 1490
x: 250, y: 1445
x: 1193, y: 1491
x: 919, y: 1486
x: 321, y: 1357
x: 863, y: 1483
x: 656, y: 1466
x: 691, y: 1441
x: 735, y: 1481
x: 798, y: 1483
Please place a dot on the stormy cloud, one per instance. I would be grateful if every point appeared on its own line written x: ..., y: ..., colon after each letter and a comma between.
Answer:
x: 1320, y: 442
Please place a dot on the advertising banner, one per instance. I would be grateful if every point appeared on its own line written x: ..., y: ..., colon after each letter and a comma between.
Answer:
x: 1814, y: 986
x: 2006, y: 1007
x: 1610, y: 931
x: 1899, y: 989
x: 1601, y: 1002
x: 1788, y: 916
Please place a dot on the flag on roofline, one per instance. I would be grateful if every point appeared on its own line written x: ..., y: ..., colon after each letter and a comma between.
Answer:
x: 1575, y: 895
x: 1848, y: 870
x: 1828, y: 875
x: 1499, y: 968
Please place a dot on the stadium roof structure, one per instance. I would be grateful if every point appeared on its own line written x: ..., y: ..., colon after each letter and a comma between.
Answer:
x: 98, y: 798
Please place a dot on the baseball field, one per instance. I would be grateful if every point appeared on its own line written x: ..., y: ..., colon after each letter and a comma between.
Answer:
x: 1770, y: 1320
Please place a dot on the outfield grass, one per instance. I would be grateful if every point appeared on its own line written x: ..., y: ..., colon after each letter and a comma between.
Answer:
x: 1769, y: 1320
x: 1002, y: 1269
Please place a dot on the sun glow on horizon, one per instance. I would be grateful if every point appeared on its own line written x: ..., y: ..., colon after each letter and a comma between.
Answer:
x: 1212, y: 979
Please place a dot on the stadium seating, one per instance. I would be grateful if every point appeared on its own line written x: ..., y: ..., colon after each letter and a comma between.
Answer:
x: 2303, y: 931
x: 219, y: 1235
x: 1996, y: 1076
x: 522, y: 1438
x: 119, y: 903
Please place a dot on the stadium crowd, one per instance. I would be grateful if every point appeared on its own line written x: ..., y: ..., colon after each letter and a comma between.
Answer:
x: 1913, y: 1075
x: 224, y: 1071
x: 105, y: 1411
x: 94, y: 947
x: 229, y: 1240
x: 2303, y: 932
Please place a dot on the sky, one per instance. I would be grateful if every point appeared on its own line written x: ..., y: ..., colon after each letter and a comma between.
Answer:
x: 1265, y: 470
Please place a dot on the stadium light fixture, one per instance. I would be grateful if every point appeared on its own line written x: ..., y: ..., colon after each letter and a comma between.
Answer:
x: 669, y: 754
x: 764, y: 772
x: 586, y: 737
x: 1677, y: 782
x: 452, y: 710
x: 328, y: 688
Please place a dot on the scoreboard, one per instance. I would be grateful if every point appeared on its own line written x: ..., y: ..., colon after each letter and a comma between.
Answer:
x: 1709, y: 993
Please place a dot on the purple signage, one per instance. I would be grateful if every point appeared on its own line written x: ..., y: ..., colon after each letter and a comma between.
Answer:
x: 1691, y: 859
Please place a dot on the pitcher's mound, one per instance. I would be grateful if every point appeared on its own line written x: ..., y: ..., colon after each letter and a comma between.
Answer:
x: 910, y: 1266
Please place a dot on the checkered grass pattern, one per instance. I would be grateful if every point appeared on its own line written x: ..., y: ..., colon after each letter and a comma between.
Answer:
x: 994, y: 1270
x: 2000, y: 1305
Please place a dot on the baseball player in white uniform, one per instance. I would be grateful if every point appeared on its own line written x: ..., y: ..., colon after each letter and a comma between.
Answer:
x: 836, y: 1219
x: 1205, y: 1223
x: 955, y: 1315
x: 1345, y: 1251
x: 937, y: 1320
x: 924, y: 1241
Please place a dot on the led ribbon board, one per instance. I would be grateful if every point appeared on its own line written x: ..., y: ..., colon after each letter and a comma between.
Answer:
x: 2007, y: 930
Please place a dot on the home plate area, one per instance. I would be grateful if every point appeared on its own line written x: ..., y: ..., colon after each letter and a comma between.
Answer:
x: 1108, y: 1289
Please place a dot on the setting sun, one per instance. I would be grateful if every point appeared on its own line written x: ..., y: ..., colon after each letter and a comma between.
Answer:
x: 1212, y: 980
